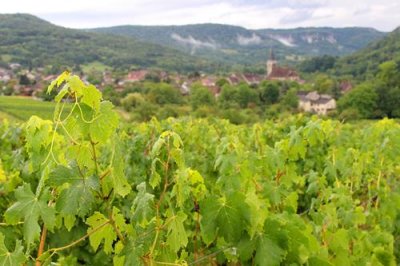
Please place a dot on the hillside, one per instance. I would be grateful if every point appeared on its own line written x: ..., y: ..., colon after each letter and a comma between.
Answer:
x: 366, y: 61
x: 31, y: 41
x: 239, y: 45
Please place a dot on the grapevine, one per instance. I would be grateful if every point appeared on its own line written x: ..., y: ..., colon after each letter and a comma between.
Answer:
x: 87, y: 189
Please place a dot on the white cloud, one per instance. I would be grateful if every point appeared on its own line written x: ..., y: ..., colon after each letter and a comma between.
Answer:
x: 193, y: 43
x: 243, y: 40
x: 248, y: 13
x: 287, y: 41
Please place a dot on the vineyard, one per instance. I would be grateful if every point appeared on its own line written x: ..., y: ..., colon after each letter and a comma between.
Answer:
x: 85, y: 189
x: 21, y: 108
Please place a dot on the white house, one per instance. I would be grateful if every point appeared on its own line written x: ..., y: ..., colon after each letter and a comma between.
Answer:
x: 316, y: 103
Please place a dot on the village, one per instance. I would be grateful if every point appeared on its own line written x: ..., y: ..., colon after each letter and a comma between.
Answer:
x: 16, y: 80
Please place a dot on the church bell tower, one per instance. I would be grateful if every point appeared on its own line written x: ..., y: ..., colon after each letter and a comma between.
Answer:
x: 271, y: 62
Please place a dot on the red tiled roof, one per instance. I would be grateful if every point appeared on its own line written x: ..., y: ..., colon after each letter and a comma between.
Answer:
x: 252, y: 78
x: 136, y: 75
x: 281, y: 72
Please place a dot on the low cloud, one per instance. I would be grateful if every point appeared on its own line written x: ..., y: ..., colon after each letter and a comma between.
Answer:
x: 193, y: 43
x: 285, y: 40
x: 254, y: 39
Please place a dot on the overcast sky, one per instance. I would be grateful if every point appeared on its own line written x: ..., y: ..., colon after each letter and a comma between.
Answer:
x: 380, y: 14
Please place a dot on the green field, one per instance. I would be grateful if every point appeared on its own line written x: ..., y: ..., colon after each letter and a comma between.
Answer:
x: 21, y: 108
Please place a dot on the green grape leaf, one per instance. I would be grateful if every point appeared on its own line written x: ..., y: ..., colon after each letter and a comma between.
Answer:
x: 189, y: 185
x: 155, y: 177
x: 338, y: 241
x: 91, y: 97
x: 76, y: 84
x: 142, y: 207
x: 62, y: 174
x: 58, y: 81
x: 226, y: 217
x: 39, y: 134
x: 82, y: 154
x: 246, y: 248
x: 177, y: 236
x: 118, y: 178
x: 11, y: 258
x: 78, y: 198
x: 132, y: 253
x: 106, y: 232
x: 118, y: 260
x: 61, y: 93
x: 30, y: 208
x: 268, y: 253
x: 259, y: 212
x: 105, y: 124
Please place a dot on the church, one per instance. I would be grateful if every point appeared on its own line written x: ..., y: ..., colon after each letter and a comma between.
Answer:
x: 275, y: 72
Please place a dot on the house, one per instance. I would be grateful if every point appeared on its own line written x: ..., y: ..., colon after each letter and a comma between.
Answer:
x: 234, y: 79
x: 208, y: 81
x: 107, y: 78
x: 137, y: 75
x: 5, y: 75
x: 134, y: 76
x: 316, y: 103
x: 275, y: 72
x: 14, y: 66
x: 252, y: 79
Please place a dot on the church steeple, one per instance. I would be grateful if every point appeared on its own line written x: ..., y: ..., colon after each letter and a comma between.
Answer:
x: 271, y: 62
x: 271, y: 55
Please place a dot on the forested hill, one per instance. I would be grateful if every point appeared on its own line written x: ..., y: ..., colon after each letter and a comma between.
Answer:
x: 243, y: 46
x: 365, y: 62
x: 34, y: 42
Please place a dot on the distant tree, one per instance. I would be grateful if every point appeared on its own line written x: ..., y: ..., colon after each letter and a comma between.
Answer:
x: 24, y: 80
x: 362, y: 98
x: 132, y: 100
x: 153, y: 77
x: 246, y: 96
x: 269, y: 92
x: 109, y: 93
x: 290, y: 99
x: 318, y: 64
x: 6, y: 89
x: 194, y: 75
x: 387, y: 87
x: 200, y: 96
x: 221, y: 82
x: 163, y: 93
x: 228, y: 97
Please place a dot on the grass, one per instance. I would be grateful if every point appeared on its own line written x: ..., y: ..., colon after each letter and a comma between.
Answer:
x: 22, y: 108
